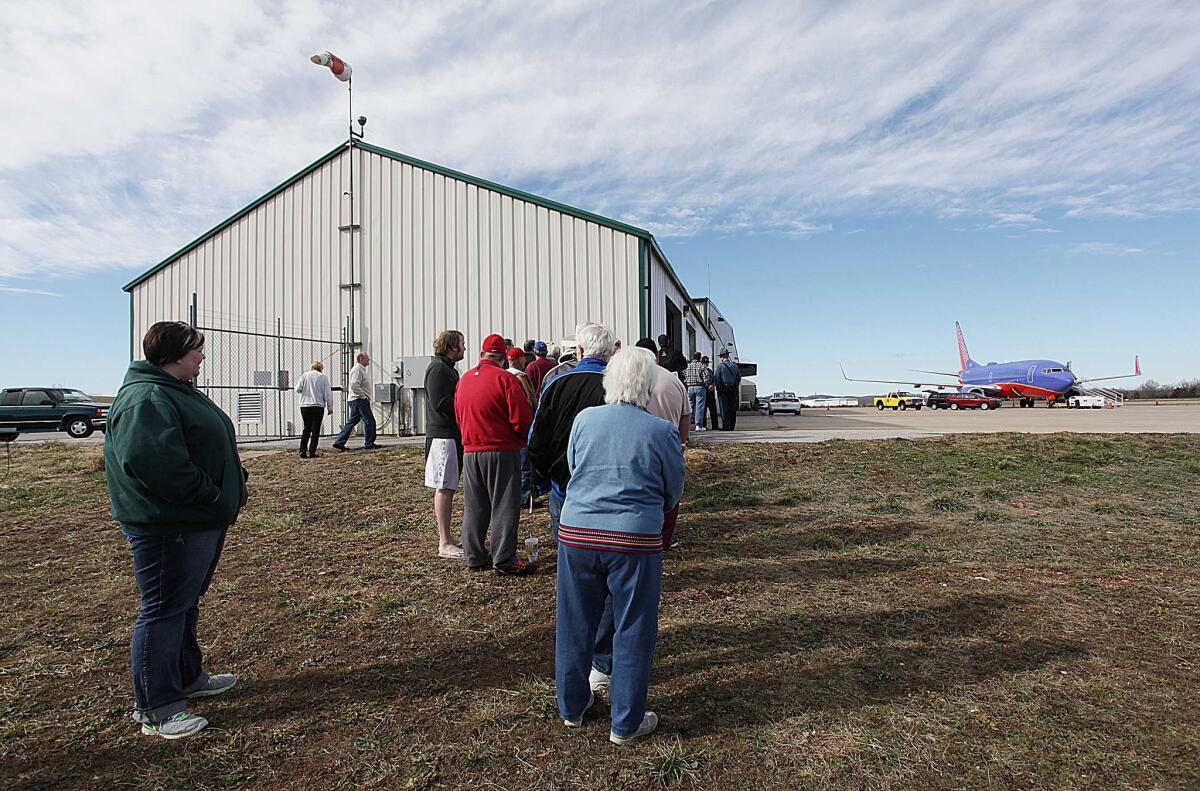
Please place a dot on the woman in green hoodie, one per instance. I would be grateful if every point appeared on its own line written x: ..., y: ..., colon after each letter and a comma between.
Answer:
x: 176, y: 484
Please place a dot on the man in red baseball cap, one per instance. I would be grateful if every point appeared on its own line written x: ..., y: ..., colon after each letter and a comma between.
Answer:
x: 494, y: 416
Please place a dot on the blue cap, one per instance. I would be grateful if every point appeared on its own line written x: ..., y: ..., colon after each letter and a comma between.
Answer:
x: 540, y: 346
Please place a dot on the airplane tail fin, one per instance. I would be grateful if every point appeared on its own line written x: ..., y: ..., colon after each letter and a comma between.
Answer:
x: 964, y: 356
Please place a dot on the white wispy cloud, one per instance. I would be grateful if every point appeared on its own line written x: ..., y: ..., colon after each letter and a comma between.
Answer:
x: 131, y: 128
x: 33, y: 292
x: 1104, y: 248
x: 1015, y: 218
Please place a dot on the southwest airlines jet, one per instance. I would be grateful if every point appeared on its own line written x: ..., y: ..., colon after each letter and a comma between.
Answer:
x: 1027, y: 380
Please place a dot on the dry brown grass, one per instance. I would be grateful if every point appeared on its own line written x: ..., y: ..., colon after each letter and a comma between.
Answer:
x: 982, y: 611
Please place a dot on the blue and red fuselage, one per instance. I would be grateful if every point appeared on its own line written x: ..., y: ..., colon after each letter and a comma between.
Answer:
x: 1019, y: 379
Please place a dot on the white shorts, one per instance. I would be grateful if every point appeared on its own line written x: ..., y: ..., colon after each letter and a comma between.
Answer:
x: 441, y: 467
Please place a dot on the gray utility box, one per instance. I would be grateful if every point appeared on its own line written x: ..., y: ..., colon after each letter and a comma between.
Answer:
x: 385, y: 392
x: 409, y: 374
x: 410, y: 371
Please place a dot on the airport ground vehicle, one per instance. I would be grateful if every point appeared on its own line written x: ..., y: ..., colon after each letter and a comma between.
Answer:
x: 30, y: 409
x: 963, y: 401
x: 899, y: 400
x: 783, y: 402
x: 1085, y: 402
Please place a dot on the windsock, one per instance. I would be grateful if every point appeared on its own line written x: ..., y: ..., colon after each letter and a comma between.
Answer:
x: 340, y: 68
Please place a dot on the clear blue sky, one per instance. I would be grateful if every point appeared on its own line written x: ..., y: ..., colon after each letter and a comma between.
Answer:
x: 858, y: 176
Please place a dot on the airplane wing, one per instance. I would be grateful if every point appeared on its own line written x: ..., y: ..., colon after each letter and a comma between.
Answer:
x: 936, y: 373
x: 901, y: 381
x: 1137, y: 371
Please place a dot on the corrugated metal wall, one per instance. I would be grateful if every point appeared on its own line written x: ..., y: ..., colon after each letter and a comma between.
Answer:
x: 283, y: 259
x: 662, y: 287
x: 433, y: 252
x: 438, y: 252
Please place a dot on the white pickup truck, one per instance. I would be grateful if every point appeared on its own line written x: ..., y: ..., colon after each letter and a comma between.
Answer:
x: 1085, y: 402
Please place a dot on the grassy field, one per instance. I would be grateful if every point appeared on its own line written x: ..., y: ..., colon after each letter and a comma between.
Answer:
x: 1001, y: 611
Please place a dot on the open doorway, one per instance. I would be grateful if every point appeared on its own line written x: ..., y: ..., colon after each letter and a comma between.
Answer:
x: 674, y: 325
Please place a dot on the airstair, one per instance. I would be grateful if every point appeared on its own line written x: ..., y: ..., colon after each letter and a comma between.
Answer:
x: 1112, y: 398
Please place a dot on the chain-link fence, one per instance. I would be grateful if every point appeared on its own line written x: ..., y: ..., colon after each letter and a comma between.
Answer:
x: 250, y: 371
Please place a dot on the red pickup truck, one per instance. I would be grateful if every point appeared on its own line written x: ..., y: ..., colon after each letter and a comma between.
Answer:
x: 963, y: 401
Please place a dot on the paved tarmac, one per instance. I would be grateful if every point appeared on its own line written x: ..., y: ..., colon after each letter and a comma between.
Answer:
x: 818, y: 425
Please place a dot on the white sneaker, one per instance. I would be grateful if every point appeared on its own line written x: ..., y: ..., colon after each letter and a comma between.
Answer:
x: 649, y: 723
x: 578, y: 722
x: 176, y: 726
x: 215, y: 686
x: 599, y: 681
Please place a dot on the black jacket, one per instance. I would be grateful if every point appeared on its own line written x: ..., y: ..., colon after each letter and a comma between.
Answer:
x: 673, y: 360
x: 563, y: 397
x: 441, y: 383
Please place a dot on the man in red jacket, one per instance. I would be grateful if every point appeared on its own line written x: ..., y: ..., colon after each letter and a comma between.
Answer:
x: 494, y: 416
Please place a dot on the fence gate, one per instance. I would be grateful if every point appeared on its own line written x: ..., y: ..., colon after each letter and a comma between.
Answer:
x: 250, y: 371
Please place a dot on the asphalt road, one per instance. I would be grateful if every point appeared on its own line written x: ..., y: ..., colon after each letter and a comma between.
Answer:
x: 817, y: 425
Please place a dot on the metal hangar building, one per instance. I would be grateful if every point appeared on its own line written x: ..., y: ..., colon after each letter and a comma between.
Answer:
x: 368, y: 249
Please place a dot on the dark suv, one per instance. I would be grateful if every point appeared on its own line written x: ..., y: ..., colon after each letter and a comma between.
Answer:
x: 962, y: 401
x: 29, y: 409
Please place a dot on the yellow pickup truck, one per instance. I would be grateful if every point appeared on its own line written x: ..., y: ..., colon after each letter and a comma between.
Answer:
x: 898, y: 400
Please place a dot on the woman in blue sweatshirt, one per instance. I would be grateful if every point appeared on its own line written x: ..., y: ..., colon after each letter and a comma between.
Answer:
x: 627, y: 471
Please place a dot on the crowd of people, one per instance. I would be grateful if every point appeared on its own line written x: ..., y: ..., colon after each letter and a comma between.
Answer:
x: 598, y: 429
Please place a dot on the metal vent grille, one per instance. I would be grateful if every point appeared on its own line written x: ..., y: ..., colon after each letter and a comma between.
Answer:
x: 249, y: 407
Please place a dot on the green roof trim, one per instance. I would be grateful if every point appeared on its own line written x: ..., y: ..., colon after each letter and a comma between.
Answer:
x: 187, y: 248
x: 529, y: 197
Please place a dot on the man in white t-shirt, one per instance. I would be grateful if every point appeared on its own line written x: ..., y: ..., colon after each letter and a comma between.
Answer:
x: 669, y: 400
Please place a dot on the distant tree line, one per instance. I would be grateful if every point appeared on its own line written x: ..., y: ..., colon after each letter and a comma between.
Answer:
x: 1188, y: 388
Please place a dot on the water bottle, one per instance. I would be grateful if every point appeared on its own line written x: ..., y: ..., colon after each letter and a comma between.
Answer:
x: 531, y: 549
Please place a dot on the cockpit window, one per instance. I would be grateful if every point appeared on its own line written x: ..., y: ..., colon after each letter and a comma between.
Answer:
x: 1052, y: 370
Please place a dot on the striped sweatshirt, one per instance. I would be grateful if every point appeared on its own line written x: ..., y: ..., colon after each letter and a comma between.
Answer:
x: 627, y: 471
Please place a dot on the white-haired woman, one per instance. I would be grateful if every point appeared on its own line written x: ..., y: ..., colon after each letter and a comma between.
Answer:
x: 627, y: 471
x: 316, y: 398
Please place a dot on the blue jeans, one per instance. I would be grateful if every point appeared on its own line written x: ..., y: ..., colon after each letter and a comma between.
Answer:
x: 554, y: 506
x: 173, y: 572
x: 696, y: 397
x: 360, y: 409
x: 586, y: 577
x: 526, y: 478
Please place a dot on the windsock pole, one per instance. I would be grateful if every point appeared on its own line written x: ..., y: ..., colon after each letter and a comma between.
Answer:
x: 341, y: 69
